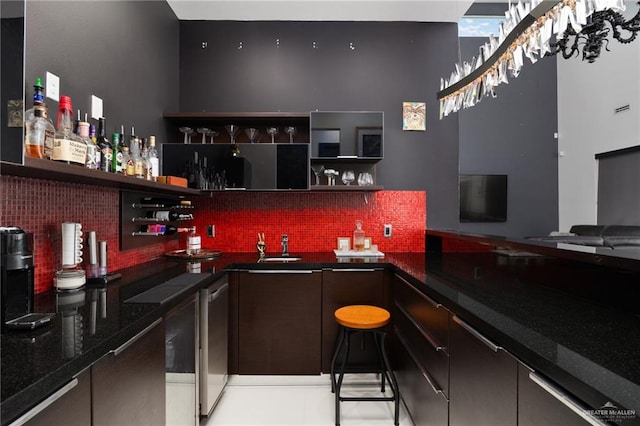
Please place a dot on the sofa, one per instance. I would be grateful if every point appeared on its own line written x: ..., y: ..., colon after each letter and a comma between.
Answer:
x: 611, y: 236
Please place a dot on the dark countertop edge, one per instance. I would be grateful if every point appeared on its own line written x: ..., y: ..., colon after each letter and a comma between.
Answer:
x: 604, y: 256
x: 524, y: 355
x: 14, y: 406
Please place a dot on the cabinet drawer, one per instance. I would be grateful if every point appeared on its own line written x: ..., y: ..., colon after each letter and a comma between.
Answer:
x: 431, y: 317
x: 428, y: 357
x: 425, y: 403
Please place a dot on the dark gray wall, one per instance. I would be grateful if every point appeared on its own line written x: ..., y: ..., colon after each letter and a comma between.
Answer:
x: 391, y: 62
x: 124, y: 52
x: 514, y: 135
x: 12, y: 48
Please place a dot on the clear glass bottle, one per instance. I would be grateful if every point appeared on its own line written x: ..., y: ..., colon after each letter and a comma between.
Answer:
x: 92, y: 136
x: 38, y: 134
x: 193, y: 242
x: 67, y: 146
x: 153, y: 159
x: 358, y: 237
x: 127, y: 162
x: 138, y: 164
x: 92, y: 148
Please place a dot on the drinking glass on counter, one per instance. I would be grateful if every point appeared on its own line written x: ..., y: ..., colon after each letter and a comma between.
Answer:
x: 203, y: 131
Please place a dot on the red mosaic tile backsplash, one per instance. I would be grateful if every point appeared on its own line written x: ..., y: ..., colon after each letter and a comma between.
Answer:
x: 312, y: 220
x: 40, y: 207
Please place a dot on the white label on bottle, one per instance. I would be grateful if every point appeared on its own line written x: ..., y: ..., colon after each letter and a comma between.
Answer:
x: 162, y: 215
x: 193, y: 242
x: 68, y: 150
x: 155, y: 165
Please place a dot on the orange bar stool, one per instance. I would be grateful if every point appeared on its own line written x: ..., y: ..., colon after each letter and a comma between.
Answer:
x: 363, y: 319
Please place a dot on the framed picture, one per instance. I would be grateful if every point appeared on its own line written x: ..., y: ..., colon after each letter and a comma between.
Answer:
x: 414, y: 116
x: 344, y: 243
x: 367, y: 243
x: 369, y: 141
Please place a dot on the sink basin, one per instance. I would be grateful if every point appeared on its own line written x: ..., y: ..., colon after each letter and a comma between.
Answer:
x: 279, y: 259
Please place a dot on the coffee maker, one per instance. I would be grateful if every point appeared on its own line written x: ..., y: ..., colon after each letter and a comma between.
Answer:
x: 16, y: 262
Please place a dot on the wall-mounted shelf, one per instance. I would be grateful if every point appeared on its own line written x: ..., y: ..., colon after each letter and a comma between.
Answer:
x: 349, y: 188
x: 259, y: 119
x: 60, y: 172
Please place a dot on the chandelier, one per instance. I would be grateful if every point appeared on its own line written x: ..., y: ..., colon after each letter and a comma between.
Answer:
x: 527, y: 31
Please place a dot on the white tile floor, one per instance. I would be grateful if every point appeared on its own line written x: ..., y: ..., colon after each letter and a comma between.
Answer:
x: 299, y: 400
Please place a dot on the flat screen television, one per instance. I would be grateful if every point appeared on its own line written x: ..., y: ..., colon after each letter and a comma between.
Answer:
x: 483, y: 198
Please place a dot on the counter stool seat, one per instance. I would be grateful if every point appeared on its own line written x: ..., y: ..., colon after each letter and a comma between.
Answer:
x: 363, y: 319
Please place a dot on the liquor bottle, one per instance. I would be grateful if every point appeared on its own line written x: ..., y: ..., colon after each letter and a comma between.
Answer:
x: 92, y: 148
x: 146, y: 166
x: 193, y: 242
x: 92, y: 136
x: 169, y: 215
x: 116, y: 156
x: 38, y: 129
x: 67, y: 146
x: 163, y: 202
x: 138, y: 169
x: 153, y: 159
x: 106, y: 152
x: 164, y: 229
x: 358, y: 237
x: 127, y: 162
x: 38, y: 99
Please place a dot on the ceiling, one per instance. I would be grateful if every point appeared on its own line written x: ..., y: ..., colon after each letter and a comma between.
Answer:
x: 321, y: 10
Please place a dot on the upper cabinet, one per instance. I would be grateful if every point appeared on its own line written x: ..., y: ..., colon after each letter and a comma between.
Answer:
x: 347, y: 135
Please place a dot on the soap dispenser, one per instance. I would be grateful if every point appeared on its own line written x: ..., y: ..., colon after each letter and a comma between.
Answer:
x: 358, y: 237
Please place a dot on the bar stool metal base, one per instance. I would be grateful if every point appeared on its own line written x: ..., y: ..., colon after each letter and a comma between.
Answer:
x: 386, y: 374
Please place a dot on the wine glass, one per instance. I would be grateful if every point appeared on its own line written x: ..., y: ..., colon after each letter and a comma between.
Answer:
x: 233, y: 130
x: 290, y: 131
x: 253, y: 134
x: 272, y: 131
x: 212, y: 134
x: 203, y: 131
x: 188, y: 131
x: 348, y: 176
x: 317, y: 170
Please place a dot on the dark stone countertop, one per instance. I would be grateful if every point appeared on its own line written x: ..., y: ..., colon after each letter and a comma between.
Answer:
x: 574, y: 322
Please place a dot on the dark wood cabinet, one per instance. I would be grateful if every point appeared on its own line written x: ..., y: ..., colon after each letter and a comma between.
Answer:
x: 421, y: 357
x: 342, y: 287
x: 426, y: 403
x: 539, y: 403
x: 69, y: 405
x: 279, y: 322
x: 128, y: 384
x: 483, y: 379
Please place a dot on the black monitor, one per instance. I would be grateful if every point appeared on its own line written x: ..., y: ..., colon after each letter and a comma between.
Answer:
x: 483, y: 198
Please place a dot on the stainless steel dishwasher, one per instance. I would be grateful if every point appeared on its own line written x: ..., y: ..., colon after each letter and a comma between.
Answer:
x: 214, y: 302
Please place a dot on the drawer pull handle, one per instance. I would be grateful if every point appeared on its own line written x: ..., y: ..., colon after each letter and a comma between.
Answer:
x: 125, y: 345
x: 477, y: 334
x: 434, y: 386
x: 279, y: 271
x: 565, y: 399
x: 424, y: 334
x: 213, y: 296
x: 45, y: 403
x: 354, y: 270
x: 421, y: 294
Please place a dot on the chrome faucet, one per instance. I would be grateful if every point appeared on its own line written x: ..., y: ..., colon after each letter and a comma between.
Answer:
x: 285, y: 245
